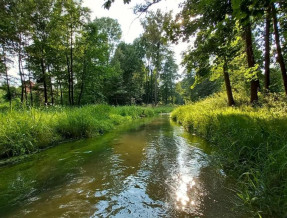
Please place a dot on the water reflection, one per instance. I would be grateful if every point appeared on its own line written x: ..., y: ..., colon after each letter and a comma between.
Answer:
x: 151, y: 171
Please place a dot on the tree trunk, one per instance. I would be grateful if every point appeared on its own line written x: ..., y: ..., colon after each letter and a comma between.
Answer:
x: 156, y: 73
x: 279, y: 50
x: 227, y: 84
x: 7, y: 80
x: 251, y: 63
x: 151, y: 85
x: 52, y: 95
x: 147, y: 87
x: 51, y: 86
x: 155, y: 87
x: 51, y: 90
x: 25, y: 86
x: 44, y: 80
x: 71, y: 67
x: 30, y: 85
x: 82, y: 84
x: 267, y: 50
x: 69, y: 79
x: 61, y: 91
x: 20, y: 71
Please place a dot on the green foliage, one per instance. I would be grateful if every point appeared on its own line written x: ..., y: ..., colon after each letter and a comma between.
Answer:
x: 158, y: 55
x: 128, y: 82
x: 26, y: 131
x: 163, y: 109
x: 74, y: 61
x: 250, y: 144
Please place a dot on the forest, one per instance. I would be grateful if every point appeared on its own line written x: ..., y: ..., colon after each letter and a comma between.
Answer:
x: 64, y: 58
x: 64, y: 76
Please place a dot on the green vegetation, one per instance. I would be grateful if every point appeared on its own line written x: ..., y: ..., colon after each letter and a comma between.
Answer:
x: 250, y: 144
x: 64, y: 58
x: 61, y: 57
x: 27, y: 131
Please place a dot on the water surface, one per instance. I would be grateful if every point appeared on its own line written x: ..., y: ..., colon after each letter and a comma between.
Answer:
x: 151, y: 169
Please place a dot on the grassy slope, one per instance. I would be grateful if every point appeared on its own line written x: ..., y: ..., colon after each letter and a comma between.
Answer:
x: 250, y: 144
x: 26, y: 131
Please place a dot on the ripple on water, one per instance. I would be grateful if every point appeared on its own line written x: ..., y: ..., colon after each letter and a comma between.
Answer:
x: 151, y: 171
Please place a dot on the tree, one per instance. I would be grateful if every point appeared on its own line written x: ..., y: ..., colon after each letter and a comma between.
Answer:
x: 92, y: 61
x: 155, y: 43
x: 7, y: 38
x: 267, y: 49
x: 112, y: 30
x: 74, y: 21
x: 128, y: 59
x: 168, y: 77
x: 214, y: 29
x: 278, y: 46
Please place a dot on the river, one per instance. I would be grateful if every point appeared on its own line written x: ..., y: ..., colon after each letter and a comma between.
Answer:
x: 148, y: 169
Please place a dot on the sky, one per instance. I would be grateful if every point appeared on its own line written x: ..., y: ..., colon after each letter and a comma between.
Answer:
x: 130, y: 23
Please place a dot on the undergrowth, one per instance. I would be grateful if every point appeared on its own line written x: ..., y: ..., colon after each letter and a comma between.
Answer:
x: 24, y: 131
x: 250, y: 143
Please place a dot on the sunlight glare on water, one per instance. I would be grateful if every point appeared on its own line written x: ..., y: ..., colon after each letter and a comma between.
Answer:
x: 186, y: 193
x: 148, y: 171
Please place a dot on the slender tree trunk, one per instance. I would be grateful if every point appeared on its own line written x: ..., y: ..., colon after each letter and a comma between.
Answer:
x: 69, y: 79
x: 166, y: 96
x: 30, y: 85
x: 51, y: 86
x: 52, y: 95
x: 227, y: 84
x: 71, y: 67
x: 279, y: 50
x: 267, y: 50
x: 151, y: 85
x: 82, y: 84
x: 44, y: 80
x: 25, y: 85
x: 146, y: 86
x: 155, y: 88
x: 251, y: 63
x: 156, y: 74
x: 51, y: 90
x: 7, y: 80
x: 61, y: 91
x: 20, y: 71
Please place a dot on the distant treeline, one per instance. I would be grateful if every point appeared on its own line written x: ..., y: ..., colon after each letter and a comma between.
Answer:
x: 62, y: 57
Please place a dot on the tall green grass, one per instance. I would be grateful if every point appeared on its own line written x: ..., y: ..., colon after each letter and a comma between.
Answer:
x: 26, y: 131
x: 250, y: 143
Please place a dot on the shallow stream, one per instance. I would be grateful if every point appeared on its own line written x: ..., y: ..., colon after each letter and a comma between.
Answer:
x: 148, y: 169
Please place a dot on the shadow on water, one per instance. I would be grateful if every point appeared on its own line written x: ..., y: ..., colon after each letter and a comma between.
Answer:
x: 149, y: 169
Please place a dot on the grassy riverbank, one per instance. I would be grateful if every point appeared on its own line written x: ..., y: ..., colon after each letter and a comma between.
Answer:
x: 26, y: 131
x: 250, y: 144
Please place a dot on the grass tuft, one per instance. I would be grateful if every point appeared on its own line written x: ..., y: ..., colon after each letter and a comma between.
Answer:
x: 26, y: 131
